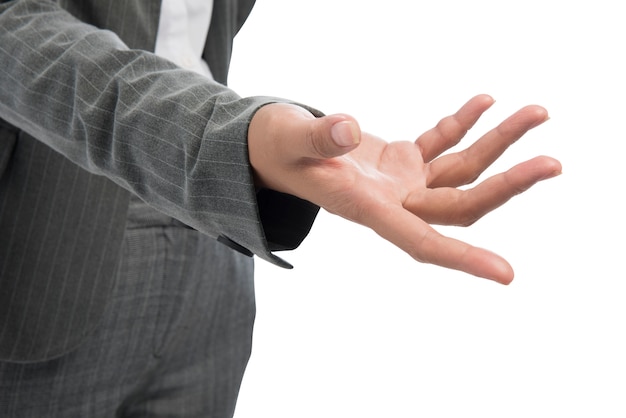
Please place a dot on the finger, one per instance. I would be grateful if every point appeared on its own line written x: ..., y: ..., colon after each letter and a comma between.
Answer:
x: 464, y: 167
x: 449, y: 206
x: 426, y: 245
x: 295, y: 133
x: 451, y: 129
x: 320, y: 138
x: 327, y: 137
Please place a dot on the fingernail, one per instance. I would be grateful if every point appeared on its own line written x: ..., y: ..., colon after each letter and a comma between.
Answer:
x: 544, y: 120
x: 552, y: 175
x: 345, y: 133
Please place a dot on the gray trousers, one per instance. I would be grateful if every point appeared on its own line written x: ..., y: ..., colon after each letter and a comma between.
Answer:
x: 174, y: 341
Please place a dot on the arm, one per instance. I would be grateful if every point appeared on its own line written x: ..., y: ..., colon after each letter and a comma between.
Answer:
x: 398, y: 189
x: 171, y: 136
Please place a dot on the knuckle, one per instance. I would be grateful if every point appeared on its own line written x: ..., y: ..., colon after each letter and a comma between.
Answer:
x: 451, y: 129
x: 317, y: 145
x: 467, y: 217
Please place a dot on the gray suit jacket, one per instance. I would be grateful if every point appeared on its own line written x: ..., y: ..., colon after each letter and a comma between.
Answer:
x: 87, y: 114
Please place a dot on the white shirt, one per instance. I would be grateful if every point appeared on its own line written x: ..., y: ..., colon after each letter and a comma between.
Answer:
x: 183, y: 28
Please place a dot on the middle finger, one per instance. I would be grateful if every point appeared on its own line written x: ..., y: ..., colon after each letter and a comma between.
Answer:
x: 464, y: 167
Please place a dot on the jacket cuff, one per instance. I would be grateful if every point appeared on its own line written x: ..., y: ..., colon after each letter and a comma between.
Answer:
x: 283, y: 221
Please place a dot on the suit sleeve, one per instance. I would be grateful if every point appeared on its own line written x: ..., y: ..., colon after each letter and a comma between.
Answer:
x: 175, y: 138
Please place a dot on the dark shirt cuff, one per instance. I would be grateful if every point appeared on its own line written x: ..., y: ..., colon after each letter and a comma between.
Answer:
x: 286, y: 219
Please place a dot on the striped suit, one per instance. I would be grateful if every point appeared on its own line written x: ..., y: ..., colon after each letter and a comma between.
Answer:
x: 88, y: 118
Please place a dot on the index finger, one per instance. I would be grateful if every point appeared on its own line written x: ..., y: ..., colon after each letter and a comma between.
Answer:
x: 424, y: 244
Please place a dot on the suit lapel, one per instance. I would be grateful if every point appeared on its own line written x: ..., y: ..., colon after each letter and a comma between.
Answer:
x: 228, y: 17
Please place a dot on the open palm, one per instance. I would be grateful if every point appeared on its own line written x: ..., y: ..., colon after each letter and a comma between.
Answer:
x: 398, y: 189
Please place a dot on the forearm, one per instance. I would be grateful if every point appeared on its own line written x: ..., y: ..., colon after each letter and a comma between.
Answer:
x: 175, y: 138
x: 107, y: 108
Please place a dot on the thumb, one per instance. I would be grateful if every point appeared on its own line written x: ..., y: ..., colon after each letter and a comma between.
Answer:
x: 333, y: 135
x: 281, y: 136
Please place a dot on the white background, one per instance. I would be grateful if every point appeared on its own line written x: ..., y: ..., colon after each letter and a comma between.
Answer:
x: 358, y: 329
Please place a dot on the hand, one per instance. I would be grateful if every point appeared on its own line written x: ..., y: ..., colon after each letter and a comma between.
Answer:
x: 399, y: 188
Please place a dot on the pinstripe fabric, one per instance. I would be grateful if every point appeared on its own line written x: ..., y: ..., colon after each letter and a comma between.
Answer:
x: 169, y: 344
x: 105, y: 113
x: 41, y: 316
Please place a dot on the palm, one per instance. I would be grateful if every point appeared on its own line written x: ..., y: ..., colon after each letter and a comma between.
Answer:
x: 398, y: 189
x: 373, y: 177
